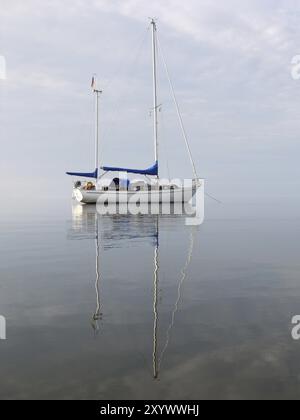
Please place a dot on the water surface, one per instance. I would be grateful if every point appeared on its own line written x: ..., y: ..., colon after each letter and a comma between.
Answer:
x: 142, y: 307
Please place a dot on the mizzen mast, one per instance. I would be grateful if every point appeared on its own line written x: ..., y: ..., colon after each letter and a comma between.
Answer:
x: 97, y: 93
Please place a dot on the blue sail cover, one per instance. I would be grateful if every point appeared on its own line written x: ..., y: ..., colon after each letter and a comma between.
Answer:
x: 84, y: 174
x: 153, y: 170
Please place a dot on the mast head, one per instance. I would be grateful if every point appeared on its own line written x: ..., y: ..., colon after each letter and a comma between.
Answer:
x: 94, y: 84
x: 153, y: 22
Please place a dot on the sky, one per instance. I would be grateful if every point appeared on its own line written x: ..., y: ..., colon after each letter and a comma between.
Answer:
x: 231, y: 67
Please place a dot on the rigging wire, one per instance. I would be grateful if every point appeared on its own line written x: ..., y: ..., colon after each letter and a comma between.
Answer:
x: 176, y: 306
x: 213, y: 198
x: 162, y: 137
x: 162, y: 132
x: 180, y: 117
x: 134, y: 58
x: 177, y: 109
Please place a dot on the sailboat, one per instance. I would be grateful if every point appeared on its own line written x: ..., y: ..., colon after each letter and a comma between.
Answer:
x: 152, y: 189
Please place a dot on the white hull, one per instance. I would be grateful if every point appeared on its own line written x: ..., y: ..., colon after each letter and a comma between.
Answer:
x: 180, y: 195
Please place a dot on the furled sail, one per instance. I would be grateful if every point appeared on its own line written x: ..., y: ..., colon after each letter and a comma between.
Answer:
x: 153, y: 170
x: 84, y: 174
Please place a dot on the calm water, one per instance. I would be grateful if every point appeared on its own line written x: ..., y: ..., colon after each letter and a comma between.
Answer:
x: 145, y: 307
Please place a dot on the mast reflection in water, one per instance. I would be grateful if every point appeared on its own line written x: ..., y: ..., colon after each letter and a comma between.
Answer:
x: 108, y: 232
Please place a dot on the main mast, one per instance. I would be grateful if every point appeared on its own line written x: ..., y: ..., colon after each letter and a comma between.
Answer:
x: 154, y: 68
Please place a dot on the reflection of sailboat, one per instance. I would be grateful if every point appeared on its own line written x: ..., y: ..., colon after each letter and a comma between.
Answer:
x: 85, y: 225
x: 155, y: 305
x: 176, y: 306
x: 118, y: 230
x: 157, y: 361
x: 98, y: 314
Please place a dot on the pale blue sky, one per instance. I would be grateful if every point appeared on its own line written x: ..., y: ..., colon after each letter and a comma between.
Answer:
x: 231, y: 67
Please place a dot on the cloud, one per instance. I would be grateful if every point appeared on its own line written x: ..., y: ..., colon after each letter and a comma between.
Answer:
x: 246, y: 26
